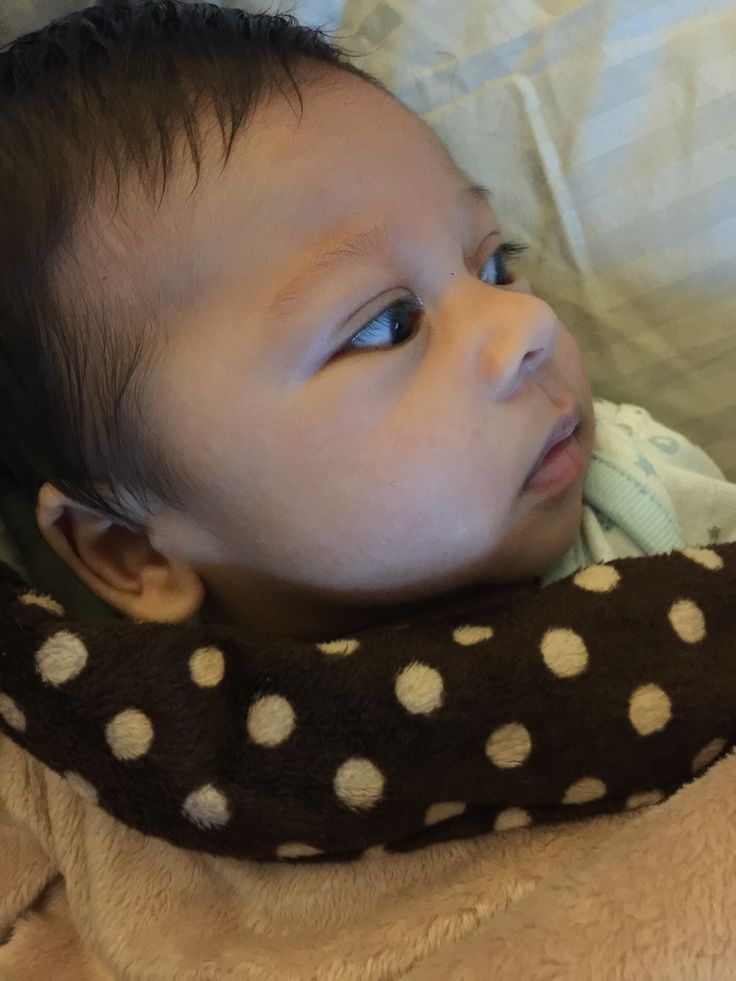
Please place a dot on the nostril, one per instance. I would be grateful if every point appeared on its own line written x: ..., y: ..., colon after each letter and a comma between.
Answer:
x: 531, y: 359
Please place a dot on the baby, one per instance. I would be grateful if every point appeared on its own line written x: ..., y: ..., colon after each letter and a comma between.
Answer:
x: 263, y: 356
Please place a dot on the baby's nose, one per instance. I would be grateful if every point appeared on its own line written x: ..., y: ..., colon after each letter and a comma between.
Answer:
x: 521, y: 336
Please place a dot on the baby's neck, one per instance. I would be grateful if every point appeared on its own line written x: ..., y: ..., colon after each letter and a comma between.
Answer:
x: 312, y: 623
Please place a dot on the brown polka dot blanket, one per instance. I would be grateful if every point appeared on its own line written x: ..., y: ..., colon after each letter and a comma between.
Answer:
x: 511, y: 706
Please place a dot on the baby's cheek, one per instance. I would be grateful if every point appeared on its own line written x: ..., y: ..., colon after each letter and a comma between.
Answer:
x: 569, y: 359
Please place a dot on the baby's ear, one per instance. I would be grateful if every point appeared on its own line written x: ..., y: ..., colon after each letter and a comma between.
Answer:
x: 119, y: 565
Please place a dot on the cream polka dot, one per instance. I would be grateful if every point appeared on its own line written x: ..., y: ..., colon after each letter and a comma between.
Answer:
x: 13, y: 715
x: 270, y: 721
x: 207, y: 807
x: 375, y: 851
x: 646, y: 798
x: 295, y: 849
x: 339, y: 648
x: 705, y: 557
x: 83, y: 788
x: 597, y: 578
x: 420, y: 689
x: 129, y: 734
x: 443, y: 812
x: 45, y: 602
x: 707, y: 754
x: 509, y: 745
x: 585, y: 790
x: 564, y: 652
x: 61, y: 658
x: 649, y: 709
x: 207, y: 667
x: 359, y: 783
x: 688, y: 621
x: 511, y: 818
x: 469, y: 635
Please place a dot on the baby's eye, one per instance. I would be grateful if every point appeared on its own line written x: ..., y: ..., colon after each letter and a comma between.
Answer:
x: 391, y: 327
x: 397, y: 323
x: 494, y: 269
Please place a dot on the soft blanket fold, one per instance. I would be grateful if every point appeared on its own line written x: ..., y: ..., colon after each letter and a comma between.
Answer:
x: 507, y: 707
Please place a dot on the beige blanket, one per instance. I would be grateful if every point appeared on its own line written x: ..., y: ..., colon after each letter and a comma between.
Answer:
x: 649, y: 894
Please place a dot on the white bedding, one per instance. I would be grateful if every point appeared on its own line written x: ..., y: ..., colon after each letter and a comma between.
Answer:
x: 607, y: 131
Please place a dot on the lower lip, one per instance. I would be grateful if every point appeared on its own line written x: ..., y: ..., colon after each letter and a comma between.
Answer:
x: 561, y: 466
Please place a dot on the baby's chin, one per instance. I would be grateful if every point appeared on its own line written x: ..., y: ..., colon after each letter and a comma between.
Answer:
x: 539, y: 542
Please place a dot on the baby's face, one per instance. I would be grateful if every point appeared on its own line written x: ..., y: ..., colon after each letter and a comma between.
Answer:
x: 362, y: 397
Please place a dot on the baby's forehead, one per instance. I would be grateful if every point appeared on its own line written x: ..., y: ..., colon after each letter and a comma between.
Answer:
x: 354, y: 150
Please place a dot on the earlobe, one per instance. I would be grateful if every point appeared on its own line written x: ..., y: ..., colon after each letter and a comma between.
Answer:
x: 117, y: 564
x: 172, y: 593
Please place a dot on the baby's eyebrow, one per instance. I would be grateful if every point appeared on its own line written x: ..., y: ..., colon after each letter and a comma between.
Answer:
x: 478, y: 191
x: 361, y: 244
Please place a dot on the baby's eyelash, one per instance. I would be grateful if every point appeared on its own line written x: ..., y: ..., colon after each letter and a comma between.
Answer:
x: 511, y: 249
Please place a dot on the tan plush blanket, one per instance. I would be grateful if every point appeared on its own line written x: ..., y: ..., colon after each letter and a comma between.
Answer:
x: 648, y: 894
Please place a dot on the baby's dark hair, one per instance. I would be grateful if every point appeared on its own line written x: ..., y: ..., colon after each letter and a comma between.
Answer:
x: 82, y: 101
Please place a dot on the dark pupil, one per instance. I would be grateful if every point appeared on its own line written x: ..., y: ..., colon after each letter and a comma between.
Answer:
x: 501, y: 270
x: 402, y: 321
